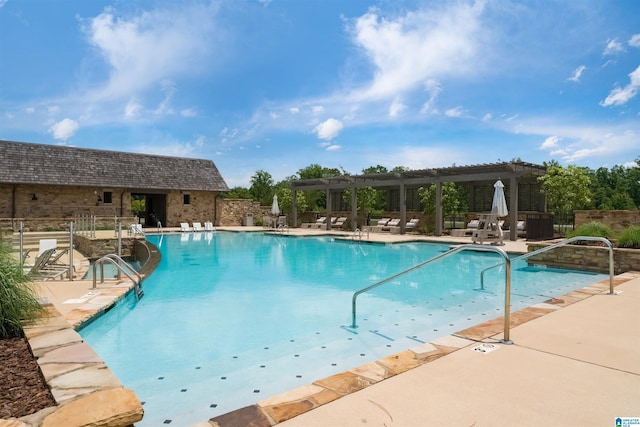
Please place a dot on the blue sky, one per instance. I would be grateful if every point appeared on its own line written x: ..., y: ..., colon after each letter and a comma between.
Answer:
x: 280, y: 84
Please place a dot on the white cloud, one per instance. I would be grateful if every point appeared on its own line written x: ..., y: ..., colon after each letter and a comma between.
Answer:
x: 417, y: 157
x: 132, y: 109
x: 294, y: 110
x: 487, y: 117
x: 550, y: 142
x: 188, y: 112
x: 577, y: 74
x: 29, y: 110
x: 613, y: 47
x: 317, y: 109
x: 634, y: 41
x: 396, y: 107
x: 620, y: 96
x: 577, y: 142
x: 150, y: 47
x: 328, y: 129
x: 334, y: 147
x: 3, y: 2
x: 53, y: 109
x: 64, y: 129
x: 454, y: 112
x: 418, y: 46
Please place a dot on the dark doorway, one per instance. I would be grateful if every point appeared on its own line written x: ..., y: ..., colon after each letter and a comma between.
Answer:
x: 153, y: 210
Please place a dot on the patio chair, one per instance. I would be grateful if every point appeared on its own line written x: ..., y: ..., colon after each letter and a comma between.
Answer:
x: 42, y: 270
x: 197, y: 226
x: 208, y: 226
x: 412, y: 225
x: 184, y: 226
x: 267, y: 221
x: 340, y: 221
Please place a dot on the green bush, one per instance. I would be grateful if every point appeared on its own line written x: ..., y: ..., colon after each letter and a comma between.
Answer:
x: 18, y: 302
x: 593, y: 229
x: 630, y: 238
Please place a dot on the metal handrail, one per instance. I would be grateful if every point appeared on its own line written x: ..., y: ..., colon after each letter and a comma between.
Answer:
x: 119, y: 263
x: 358, y: 233
x: 481, y: 248
x: 556, y: 245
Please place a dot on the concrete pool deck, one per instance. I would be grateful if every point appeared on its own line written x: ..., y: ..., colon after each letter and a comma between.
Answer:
x: 575, y: 361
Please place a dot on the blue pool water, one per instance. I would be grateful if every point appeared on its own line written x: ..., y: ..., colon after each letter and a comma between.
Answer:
x: 229, y: 319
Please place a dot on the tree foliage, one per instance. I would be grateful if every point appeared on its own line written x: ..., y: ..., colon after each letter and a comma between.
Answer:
x: 454, y: 199
x: 567, y: 189
x: 261, y: 187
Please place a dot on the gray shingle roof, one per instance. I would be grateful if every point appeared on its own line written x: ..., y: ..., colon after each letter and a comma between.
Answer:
x: 25, y: 163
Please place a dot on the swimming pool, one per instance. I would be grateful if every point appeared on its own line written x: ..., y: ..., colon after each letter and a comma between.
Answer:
x: 229, y: 319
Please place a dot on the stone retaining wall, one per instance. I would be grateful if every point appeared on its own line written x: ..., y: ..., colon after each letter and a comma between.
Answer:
x: 93, y: 248
x: 586, y: 257
x: 617, y: 220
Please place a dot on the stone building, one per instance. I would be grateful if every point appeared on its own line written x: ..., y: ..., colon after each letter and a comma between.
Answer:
x: 51, y: 181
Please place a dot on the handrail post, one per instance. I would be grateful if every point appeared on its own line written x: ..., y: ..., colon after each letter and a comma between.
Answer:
x: 507, y: 296
x: 507, y: 303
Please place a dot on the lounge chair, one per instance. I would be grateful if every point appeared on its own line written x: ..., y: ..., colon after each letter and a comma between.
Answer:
x: 340, y: 221
x: 412, y: 225
x: 267, y: 221
x: 395, y: 222
x: 42, y: 270
x: 184, y: 226
x: 208, y: 226
x: 135, y: 229
x: 197, y: 226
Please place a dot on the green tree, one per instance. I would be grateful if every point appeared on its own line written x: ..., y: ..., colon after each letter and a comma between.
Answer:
x: 317, y: 199
x: 138, y: 207
x: 567, y: 189
x: 261, y: 187
x: 285, y: 200
x: 237, y: 193
x: 454, y: 199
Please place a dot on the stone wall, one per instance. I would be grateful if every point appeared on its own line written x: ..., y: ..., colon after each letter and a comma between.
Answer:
x: 201, y: 207
x: 586, y: 257
x: 617, y: 220
x: 95, y: 248
x: 54, y: 201
x: 232, y: 211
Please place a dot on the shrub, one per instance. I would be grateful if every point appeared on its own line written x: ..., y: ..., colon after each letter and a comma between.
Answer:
x: 18, y: 302
x: 630, y: 238
x: 593, y: 229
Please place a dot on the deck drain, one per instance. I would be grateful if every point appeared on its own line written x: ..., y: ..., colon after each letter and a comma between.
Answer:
x: 213, y: 405
x: 183, y: 390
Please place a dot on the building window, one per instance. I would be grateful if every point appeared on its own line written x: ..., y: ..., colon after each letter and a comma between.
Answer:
x: 107, y: 197
x: 186, y: 199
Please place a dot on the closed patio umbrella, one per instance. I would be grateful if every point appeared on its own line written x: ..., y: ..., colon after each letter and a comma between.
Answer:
x: 275, y: 209
x: 499, y: 205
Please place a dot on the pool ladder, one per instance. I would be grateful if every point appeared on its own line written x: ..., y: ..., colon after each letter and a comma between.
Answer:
x: 557, y: 245
x: 123, y: 267
x: 507, y: 262
x: 357, y: 234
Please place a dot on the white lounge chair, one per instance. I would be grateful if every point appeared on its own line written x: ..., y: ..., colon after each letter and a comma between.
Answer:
x: 197, y: 226
x: 412, y: 225
x: 184, y: 226
x: 208, y: 226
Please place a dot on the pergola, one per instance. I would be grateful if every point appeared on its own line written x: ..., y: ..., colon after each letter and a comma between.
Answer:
x: 511, y: 172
